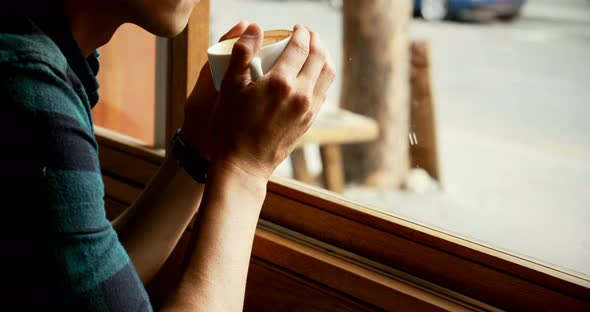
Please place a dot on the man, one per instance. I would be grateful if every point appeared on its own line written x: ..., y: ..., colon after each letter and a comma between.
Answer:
x: 60, y: 250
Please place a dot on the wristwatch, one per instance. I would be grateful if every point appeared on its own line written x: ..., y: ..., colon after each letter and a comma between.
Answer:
x: 193, y: 163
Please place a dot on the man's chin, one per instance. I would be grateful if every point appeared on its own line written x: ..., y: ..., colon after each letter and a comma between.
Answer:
x: 168, y: 29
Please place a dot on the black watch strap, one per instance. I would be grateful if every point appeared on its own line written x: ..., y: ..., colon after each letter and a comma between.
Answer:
x: 193, y: 163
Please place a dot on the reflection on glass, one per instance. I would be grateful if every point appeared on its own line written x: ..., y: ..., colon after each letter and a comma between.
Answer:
x: 481, y: 130
x: 129, y: 62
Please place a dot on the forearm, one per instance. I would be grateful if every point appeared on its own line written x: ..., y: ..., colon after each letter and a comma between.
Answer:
x: 151, y: 227
x: 215, y: 272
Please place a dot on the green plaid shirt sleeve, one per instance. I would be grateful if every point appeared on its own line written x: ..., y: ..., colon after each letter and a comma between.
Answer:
x: 61, y: 252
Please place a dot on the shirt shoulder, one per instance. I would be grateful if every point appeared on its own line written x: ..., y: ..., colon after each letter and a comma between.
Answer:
x: 35, y: 76
x: 22, y: 42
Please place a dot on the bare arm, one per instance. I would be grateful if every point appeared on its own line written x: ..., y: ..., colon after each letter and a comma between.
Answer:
x: 256, y: 125
x: 221, y: 243
x: 150, y: 229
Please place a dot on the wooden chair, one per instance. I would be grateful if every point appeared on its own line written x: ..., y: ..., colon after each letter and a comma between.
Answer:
x: 335, y: 128
x: 330, y: 130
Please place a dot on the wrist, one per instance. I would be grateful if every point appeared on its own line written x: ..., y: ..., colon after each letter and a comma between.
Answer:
x: 226, y: 170
x: 191, y: 161
x: 191, y: 140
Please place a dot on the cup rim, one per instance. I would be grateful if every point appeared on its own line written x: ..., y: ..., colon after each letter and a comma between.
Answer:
x: 273, y: 32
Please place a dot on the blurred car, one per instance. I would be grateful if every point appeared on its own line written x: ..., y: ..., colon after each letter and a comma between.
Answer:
x: 472, y: 10
x: 468, y: 10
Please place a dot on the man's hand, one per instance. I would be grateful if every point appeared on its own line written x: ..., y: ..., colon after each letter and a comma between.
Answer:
x: 201, y: 103
x: 256, y: 124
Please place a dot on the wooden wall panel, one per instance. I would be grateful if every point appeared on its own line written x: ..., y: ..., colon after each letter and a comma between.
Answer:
x: 287, y: 276
x: 271, y: 289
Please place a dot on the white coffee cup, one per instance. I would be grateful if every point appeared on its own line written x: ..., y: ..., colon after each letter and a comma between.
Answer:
x: 273, y: 44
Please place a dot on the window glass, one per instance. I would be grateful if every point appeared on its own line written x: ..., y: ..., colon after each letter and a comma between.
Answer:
x: 127, y: 79
x: 482, y: 130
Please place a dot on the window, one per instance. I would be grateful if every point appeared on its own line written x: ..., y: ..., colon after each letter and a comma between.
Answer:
x: 321, y: 238
x: 511, y: 140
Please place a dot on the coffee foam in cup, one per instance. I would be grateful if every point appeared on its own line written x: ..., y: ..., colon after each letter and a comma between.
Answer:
x: 270, y: 37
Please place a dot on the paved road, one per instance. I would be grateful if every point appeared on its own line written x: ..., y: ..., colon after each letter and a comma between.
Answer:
x: 512, y: 109
x: 513, y: 112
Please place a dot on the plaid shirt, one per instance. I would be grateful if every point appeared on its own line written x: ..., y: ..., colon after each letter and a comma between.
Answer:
x: 59, y: 250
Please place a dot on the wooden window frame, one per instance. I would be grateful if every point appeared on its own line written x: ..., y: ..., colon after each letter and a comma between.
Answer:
x: 364, y: 256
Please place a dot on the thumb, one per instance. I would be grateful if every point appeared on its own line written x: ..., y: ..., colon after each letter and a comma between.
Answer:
x: 244, y: 50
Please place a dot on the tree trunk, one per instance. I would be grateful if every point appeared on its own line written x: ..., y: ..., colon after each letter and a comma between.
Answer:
x: 376, y: 84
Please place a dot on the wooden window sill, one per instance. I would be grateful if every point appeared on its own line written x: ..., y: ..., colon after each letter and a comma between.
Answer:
x: 454, y: 265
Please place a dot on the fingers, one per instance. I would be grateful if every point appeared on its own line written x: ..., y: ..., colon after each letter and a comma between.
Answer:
x: 315, y: 61
x: 306, y: 60
x: 318, y: 71
x: 324, y: 82
x: 238, y: 72
x: 235, y: 31
x: 292, y: 59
